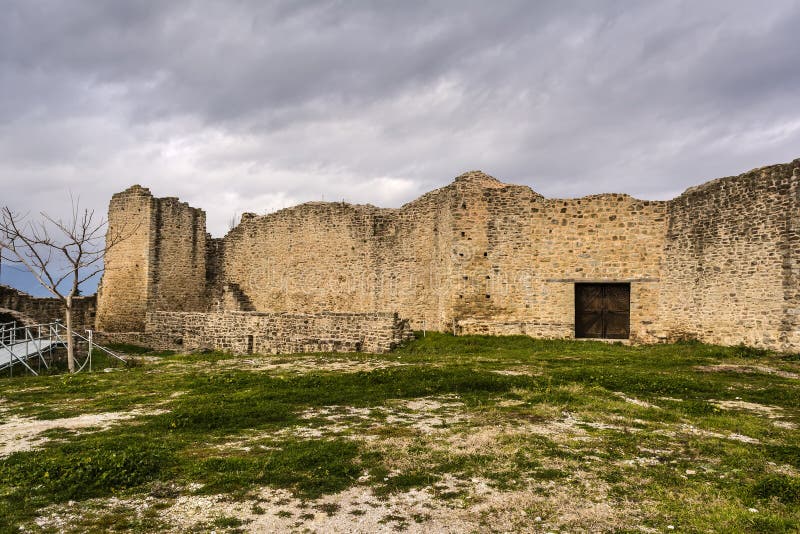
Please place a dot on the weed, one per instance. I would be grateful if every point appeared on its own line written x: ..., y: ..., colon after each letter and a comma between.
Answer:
x: 164, y: 490
x: 129, y: 348
x: 311, y: 468
x: 784, y: 488
x: 744, y: 351
x: 77, y: 470
x: 328, y: 509
x: 227, y: 522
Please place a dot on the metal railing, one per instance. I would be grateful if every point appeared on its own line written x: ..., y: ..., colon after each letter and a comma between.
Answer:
x: 25, y: 344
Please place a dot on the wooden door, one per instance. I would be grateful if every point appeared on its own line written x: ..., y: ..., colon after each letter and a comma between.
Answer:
x: 602, y: 311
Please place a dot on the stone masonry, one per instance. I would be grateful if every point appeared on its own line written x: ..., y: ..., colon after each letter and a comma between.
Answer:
x: 160, y: 265
x: 720, y: 263
x: 27, y: 309
x: 269, y: 333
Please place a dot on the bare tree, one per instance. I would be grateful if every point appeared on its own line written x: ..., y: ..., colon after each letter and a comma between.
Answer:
x: 61, y: 255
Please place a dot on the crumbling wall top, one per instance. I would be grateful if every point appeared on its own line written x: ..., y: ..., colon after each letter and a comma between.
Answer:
x: 136, y: 190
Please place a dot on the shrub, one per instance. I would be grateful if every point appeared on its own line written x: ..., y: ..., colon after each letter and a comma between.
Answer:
x: 743, y: 351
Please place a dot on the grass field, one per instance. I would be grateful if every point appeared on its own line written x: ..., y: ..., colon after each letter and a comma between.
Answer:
x: 446, y: 434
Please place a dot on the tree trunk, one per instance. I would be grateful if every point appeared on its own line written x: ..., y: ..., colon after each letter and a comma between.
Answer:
x: 70, y: 340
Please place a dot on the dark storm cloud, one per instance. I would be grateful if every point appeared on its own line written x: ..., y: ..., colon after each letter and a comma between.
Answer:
x: 251, y: 106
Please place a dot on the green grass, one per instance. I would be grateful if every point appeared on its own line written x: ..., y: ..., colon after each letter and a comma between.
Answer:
x: 669, y: 457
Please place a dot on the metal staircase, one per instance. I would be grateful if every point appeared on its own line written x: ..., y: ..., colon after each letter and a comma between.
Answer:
x: 33, y: 346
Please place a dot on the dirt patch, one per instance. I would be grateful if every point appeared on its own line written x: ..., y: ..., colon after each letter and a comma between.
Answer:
x: 686, y: 429
x: 560, y: 430
x: 5, y: 406
x: 307, y: 365
x: 430, y: 404
x: 569, y: 428
x: 479, y: 440
x: 788, y: 425
x: 773, y: 413
x: 581, y: 505
x: 747, y: 369
x: 521, y: 371
x: 23, y: 433
x: 637, y: 402
x: 428, y: 416
x: 30, y: 389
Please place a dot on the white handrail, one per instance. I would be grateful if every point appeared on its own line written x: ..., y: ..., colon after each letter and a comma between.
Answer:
x: 44, y: 337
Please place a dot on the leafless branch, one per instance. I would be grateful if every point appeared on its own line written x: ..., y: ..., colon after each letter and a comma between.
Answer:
x: 61, y: 255
x: 56, y: 251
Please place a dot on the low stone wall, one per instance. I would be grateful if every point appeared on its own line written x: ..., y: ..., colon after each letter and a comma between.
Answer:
x: 46, y: 310
x: 509, y: 328
x: 142, y: 339
x: 268, y: 333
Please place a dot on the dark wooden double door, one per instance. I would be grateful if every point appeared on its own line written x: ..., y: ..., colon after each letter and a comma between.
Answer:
x: 603, y: 311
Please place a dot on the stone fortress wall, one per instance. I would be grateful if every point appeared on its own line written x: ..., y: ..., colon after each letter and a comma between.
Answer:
x: 732, y: 260
x: 159, y: 265
x: 27, y: 310
x: 720, y: 263
x: 243, y: 332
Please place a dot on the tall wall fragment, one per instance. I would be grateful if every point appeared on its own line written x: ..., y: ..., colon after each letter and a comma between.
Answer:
x: 732, y: 260
x: 158, y: 264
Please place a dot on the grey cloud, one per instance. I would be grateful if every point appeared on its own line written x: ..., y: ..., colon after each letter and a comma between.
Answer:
x: 248, y: 106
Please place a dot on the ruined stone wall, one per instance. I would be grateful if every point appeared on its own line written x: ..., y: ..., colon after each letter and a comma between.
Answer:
x: 46, y: 310
x: 732, y: 261
x: 123, y: 293
x: 333, y: 256
x: 159, y: 263
x: 523, y: 254
x: 414, y: 261
x: 275, y: 333
x: 177, y: 277
x: 719, y: 263
x: 475, y: 256
x: 284, y: 261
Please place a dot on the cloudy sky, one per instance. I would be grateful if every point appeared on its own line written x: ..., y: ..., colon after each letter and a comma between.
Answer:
x: 254, y: 106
